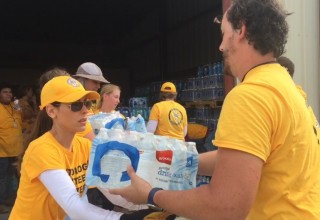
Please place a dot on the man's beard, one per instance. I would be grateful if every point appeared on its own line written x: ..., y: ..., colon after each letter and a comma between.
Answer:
x: 226, y: 65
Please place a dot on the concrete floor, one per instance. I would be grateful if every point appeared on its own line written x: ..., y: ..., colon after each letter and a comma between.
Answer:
x: 4, y: 216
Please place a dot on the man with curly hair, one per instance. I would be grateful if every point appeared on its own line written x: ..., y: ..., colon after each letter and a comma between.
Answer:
x: 267, y: 165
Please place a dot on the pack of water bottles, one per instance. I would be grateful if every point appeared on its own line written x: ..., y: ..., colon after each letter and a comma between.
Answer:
x: 116, y: 120
x: 162, y: 161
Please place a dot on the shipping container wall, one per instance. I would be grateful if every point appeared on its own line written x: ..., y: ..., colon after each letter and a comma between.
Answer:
x: 179, y: 11
x: 193, y: 44
x: 148, y: 30
x: 173, y: 41
x: 192, y: 39
x: 144, y: 62
x: 62, y: 57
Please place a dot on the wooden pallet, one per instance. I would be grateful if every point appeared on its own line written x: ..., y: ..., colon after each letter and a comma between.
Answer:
x: 209, y: 103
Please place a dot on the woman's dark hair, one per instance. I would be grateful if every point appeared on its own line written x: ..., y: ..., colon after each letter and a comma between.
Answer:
x: 49, y: 74
x: 22, y: 90
x: 265, y: 21
x: 42, y: 124
x: 286, y: 63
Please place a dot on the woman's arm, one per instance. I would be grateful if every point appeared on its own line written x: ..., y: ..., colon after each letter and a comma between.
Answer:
x: 152, y: 126
x: 120, y: 201
x: 62, y: 189
x: 185, y: 130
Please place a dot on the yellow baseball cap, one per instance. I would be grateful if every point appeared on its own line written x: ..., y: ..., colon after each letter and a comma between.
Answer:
x: 64, y: 89
x: 168, y: 87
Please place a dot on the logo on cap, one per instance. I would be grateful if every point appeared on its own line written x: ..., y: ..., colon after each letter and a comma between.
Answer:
x: 72, y: 82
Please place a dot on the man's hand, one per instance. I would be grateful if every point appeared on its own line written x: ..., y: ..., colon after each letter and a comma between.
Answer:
x: 137, y: 192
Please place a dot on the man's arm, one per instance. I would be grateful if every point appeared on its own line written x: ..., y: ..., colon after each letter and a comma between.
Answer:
x: 207, y: 162
x: 229, y: 195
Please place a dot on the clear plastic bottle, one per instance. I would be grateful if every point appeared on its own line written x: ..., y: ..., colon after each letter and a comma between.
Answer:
x: 16, y: 105
x: 191, y: 146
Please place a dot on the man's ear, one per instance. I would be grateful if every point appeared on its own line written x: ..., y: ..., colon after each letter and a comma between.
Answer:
x: 242, y: 31
x: 51, y: 111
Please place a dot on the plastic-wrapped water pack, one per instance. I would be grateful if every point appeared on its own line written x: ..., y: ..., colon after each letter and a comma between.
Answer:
x: 112, y: 120
x: 136, y: 124
x: 164, y: 162
x: 115, y: 120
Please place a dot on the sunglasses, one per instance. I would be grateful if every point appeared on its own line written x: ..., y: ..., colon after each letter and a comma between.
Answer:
x: 75, y: 106
x: 217, y: 19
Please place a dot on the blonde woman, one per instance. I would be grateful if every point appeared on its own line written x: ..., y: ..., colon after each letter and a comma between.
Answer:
x: 109, y: 98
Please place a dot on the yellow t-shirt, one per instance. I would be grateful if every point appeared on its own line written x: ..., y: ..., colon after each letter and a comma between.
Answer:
x: 303, y: 93
x: 266, y: 116
x: 11, y: 143
x: 171, y: 117
x: 315, y: 124
x: 197, y: 131
x: 314, y: 118
x: 45, y: 153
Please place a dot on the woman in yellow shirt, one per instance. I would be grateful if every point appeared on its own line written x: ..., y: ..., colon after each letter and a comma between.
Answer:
x: 52, y: 183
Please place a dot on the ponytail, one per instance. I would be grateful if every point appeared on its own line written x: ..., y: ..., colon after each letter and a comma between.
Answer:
x: 42, y: 124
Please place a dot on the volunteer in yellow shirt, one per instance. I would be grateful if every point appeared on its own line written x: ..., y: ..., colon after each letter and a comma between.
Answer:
x: 287, y: 145
x: 267, y: 164
x: 54, y: 166
x: 48, y: 75
x: 167, y: 117
x: 10, y: 142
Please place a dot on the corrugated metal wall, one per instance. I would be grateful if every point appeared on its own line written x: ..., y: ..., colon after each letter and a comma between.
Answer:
x: 303, y: 47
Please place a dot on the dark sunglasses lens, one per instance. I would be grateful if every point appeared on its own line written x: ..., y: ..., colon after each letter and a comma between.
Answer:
x: 77, y: 106
x: 88, y: 104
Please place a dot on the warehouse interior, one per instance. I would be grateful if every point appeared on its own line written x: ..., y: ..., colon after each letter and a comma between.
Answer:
x: 133, y: 42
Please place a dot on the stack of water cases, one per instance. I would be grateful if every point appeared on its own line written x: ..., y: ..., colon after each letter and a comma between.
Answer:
x: 207, y: 85
x: 204, y: 115
x: 202, y: 180
x: 154, y: 91
x: 137, y: 105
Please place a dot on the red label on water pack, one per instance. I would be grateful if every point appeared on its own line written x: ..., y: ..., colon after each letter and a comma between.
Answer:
x: 164, y: 156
